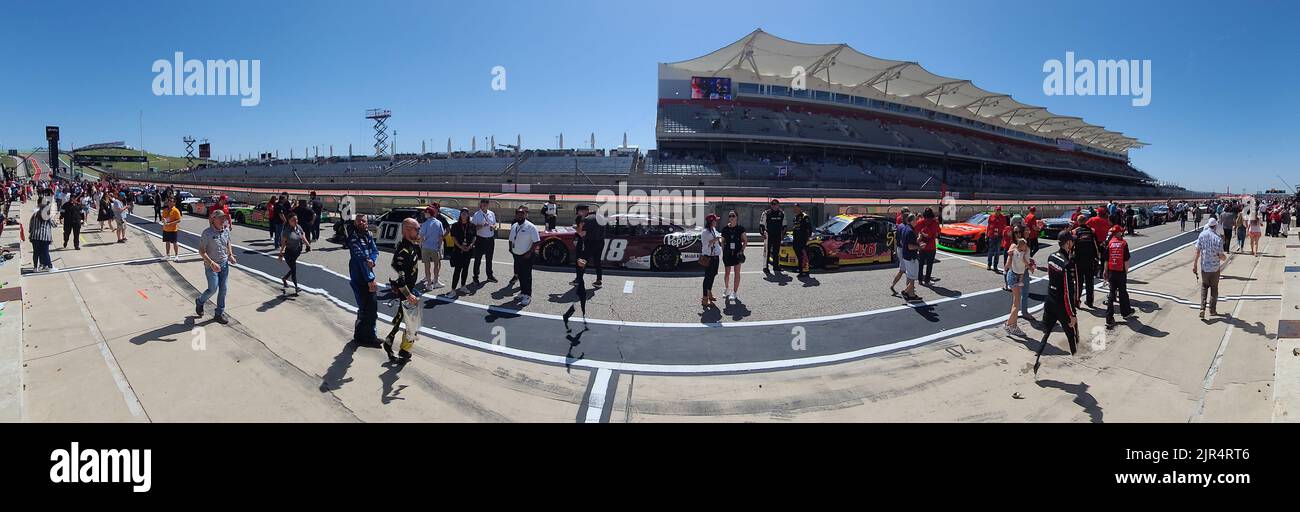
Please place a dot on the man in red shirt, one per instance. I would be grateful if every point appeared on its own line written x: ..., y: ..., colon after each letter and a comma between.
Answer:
x: 1101, y: 228
x: 1117, y: 256
x: 927, y: 229
x: 997, y: 224
x: 1031, y: 229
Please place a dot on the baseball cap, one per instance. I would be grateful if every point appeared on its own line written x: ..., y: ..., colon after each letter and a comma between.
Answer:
x: 1214, y: 223
x: 997, y: 208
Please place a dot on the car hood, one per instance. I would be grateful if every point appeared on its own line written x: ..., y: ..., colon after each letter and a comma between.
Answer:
x: 960, y: 229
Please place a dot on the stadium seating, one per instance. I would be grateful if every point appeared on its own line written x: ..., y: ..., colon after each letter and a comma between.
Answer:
x: 853, y: 128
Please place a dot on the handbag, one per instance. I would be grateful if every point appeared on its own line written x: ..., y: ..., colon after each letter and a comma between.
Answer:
x: 705, y: 261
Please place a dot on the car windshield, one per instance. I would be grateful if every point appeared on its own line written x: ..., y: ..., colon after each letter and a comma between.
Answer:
x: 978, y: 219
x: 834, y: 226
x: 451, y: 213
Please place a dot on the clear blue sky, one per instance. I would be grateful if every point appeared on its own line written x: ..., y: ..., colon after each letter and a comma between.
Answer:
x: 1222, y: 111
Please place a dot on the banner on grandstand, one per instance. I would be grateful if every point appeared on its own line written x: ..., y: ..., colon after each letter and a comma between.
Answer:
x: 99, y: 159
x: 1065, y: 144
x: 710, y: 88
x: 782, y: 171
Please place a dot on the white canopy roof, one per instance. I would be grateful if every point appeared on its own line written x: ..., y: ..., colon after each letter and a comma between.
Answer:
x: 765, y: 58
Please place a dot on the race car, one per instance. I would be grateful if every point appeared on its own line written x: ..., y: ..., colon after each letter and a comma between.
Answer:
x: 1160, y: 214
x: 204, y: 206
x: 966, y: 237
x: 250, y: 215
x: 386, y: 228
x: 1053, y: 226
x: 631, y: 241
x: 186, y: 201
x: 845, y: 240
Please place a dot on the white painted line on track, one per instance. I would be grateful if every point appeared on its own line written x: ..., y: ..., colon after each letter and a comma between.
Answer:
x: 596, y: 402
x: 128, y: 395
x: 627, y: 286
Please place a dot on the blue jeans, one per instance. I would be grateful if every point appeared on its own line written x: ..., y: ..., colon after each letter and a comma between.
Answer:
x: 995, y: 251
x: 217, y: 285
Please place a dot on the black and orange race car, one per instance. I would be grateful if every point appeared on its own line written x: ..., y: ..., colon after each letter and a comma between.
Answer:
x: 631, y: 241
x: 845, y: 240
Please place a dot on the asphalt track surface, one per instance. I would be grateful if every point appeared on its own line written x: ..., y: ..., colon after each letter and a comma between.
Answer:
x: 677, y: 348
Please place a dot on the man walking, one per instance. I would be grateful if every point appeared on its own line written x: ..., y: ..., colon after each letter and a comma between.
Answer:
x: 523, y: 234
x: 592, y: 231
x: 1059, y: 306
x: 70, y: 214
x: 214, y: 248
x: 485, y: 225
x: 772, y: 225
x: 908, y: 264
x: 927, y: 230
x: 361, y: 269
x: 406, y: 257
x: 1209, y: 261
x: 1117, y: 257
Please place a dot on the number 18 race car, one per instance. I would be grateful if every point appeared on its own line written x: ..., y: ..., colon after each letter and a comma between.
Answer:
x: 845, y: 240
x: 631, y: 241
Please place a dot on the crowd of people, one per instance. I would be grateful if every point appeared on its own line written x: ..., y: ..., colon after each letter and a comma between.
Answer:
x: 1092, y: 247
x: 70, y: 205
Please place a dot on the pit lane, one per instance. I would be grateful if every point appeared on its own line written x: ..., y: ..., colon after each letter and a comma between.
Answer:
x: 659, y: 327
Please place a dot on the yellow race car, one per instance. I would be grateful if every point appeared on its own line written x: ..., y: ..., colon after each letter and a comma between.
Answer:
x: 845, y: 240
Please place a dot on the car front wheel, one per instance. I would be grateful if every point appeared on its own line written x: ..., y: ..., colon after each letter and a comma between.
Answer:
x: 665, y: 257
x: 554, y: 253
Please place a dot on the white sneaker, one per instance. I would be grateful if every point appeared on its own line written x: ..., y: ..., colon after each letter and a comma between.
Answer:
x: 525, y: 300
x: 51, y: 269
x: 436, y: 285
x: 735, y: 297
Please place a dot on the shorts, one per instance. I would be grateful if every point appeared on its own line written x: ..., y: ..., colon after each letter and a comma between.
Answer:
x: 428, y: 255
x: 169, y: 236
x: 910, y: 267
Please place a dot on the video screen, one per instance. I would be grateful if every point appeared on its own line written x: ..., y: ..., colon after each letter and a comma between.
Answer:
x: 710, y: 88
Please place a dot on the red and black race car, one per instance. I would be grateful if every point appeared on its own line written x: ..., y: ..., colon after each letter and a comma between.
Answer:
x: 631, y: 241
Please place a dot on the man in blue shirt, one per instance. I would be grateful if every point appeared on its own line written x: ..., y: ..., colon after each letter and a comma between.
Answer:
x: 361, y: 272
x: 908, y: 264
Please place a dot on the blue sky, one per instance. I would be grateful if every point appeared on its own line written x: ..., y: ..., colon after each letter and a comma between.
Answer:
x: 1221, y: 113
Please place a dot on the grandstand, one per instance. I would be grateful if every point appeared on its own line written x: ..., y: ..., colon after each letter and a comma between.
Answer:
x: 873, y: 123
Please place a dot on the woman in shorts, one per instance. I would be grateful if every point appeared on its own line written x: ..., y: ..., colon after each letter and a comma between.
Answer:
x: 1017, y: 281
x: 1255, y: 230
